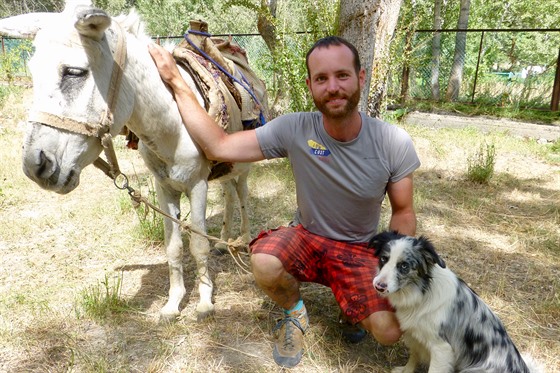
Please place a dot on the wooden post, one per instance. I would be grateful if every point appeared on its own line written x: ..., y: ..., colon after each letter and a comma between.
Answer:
x: 477, y: 66
x: 556, y: 87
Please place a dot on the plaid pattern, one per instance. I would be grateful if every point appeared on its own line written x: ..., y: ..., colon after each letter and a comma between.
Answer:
x: 347, y: 268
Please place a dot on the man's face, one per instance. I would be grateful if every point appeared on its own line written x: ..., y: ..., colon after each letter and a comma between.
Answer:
x: 333, y: 81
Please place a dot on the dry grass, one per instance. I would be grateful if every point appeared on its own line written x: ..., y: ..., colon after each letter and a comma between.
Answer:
x: 502, y: 238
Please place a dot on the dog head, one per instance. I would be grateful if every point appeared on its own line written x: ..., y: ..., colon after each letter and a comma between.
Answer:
x: 403, y: 261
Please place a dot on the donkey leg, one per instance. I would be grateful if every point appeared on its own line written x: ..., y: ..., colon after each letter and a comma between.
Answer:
x: 170, y: 204
x: 200, y: 249
x: 228, y: 194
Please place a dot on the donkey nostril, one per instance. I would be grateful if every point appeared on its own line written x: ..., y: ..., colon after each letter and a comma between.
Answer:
x: 45, y: 166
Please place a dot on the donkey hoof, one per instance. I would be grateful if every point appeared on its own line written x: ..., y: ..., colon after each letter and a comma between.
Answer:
x: 220, y: 248
x: 204, y: 313
x: 168, y: 318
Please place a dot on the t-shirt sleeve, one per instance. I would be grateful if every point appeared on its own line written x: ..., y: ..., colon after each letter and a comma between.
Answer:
x: 404, y: 159
x: 276, y: 137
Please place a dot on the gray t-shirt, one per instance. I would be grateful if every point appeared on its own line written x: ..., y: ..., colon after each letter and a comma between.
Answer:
x: 339, y: 185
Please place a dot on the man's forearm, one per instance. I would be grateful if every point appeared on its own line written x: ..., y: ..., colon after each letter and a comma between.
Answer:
x: 204, y: 131
x: 404, y: 223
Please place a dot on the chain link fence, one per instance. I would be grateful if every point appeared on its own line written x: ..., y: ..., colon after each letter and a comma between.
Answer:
x: 500, y: 67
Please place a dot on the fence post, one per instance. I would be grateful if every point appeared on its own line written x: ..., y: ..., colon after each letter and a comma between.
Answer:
x: 477, y: 65
x: 556, y: 87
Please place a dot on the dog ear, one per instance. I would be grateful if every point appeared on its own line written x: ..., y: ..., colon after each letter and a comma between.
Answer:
x: 429, y: 251
x: 378, y: 241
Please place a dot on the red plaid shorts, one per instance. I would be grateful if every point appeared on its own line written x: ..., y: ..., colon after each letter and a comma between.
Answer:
x: 347, y: 268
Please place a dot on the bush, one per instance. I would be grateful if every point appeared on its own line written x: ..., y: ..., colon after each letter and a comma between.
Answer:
x: 480, y: 166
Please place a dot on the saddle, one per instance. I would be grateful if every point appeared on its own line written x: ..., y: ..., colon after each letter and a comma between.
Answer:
x: 219, y: 67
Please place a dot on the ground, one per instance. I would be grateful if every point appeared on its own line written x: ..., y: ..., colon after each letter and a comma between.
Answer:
x: 502, y: 238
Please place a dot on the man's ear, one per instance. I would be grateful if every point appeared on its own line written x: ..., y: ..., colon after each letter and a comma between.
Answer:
x: 308, y: 83
x: 362, y: 77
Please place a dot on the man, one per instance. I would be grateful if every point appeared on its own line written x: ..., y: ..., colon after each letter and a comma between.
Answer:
x: 343, y: 163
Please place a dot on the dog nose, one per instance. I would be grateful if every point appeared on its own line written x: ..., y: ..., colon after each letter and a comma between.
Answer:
x: 380, y: 286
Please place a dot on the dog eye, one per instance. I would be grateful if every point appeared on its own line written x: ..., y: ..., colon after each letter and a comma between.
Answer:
x: 404, y: 267
x: 383, y: 260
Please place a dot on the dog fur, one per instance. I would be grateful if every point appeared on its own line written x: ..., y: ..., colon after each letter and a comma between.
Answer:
x: 444, y: 322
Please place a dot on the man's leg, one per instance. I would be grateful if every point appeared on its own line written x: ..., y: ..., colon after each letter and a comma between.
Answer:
x: 281, y: 259
x: 383, y: 326
x: 283, y: 289
x: 273, y: 279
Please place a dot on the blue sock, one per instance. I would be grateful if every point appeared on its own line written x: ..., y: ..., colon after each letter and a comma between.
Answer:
x: 297, y: 309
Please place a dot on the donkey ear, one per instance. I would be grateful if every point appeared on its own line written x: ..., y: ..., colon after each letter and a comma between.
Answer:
x: 26, y: 25
x: 92, y: 23
x: 429, y: 251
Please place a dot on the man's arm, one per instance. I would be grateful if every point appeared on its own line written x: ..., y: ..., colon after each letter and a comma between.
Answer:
x: 214, y: 141
x: 403, y: 217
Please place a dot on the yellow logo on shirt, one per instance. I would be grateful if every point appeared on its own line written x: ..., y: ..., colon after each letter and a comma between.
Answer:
x: 318, y: 149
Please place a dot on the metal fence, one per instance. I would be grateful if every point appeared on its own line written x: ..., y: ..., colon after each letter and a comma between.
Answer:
x: 501, y: 67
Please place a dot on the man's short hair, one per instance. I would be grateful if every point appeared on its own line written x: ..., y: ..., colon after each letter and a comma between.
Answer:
x: 334, y: 40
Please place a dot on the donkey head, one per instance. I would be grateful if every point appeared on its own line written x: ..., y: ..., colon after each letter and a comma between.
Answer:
x: 71, y: 69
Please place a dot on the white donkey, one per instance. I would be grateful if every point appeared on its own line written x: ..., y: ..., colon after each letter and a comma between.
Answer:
x: 76, y: 52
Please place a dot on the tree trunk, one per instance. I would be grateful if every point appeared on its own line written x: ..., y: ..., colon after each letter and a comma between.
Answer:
x: 370, y: 26
x: 405, y: 77
x: 436, y: 51
x: 454, y: 85
x: 387, y: 24
x: 265, y: 24
x: 358, y: 24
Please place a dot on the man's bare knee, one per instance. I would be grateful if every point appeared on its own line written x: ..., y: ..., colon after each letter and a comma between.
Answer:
x: 383, y: 326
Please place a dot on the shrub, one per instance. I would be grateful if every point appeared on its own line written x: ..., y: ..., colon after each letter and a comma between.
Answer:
x: 480, y: 166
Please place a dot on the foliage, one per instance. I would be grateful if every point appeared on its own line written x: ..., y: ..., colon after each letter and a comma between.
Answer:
x: 13, y: 61
x: 502, y: 52
x: 480, y: 166
x: 13, y: 7
x: 316, y: 19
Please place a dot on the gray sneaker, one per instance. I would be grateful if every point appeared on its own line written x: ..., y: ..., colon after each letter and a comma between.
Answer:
x: 288, y: 347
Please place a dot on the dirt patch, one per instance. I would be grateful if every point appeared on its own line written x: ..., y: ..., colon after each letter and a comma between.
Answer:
x: 542, y: 132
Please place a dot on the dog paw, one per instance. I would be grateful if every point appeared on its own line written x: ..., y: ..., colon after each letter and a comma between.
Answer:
x: 401, y: 370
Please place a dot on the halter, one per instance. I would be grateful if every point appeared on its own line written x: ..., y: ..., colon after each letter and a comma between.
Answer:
x: 101, y: 129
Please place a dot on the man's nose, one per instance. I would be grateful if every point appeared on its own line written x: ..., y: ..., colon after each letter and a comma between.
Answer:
x: 332, y: 86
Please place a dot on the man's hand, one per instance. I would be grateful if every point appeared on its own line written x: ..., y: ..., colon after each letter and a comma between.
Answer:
x: 166, y: 66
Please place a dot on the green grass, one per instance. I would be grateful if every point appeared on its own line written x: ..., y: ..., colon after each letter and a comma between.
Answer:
x: 103, y: 301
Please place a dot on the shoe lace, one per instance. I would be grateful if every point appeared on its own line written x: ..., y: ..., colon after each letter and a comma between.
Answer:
x: 288, y: 340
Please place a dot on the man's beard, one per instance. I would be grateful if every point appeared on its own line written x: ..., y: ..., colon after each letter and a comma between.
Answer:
x: 340, y: 112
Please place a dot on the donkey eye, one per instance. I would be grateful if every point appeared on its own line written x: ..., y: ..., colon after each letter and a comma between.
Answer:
x: 77, y: 72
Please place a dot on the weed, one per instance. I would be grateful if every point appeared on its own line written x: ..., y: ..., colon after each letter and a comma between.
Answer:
x: 480, y: 166
x: 102, y: 300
